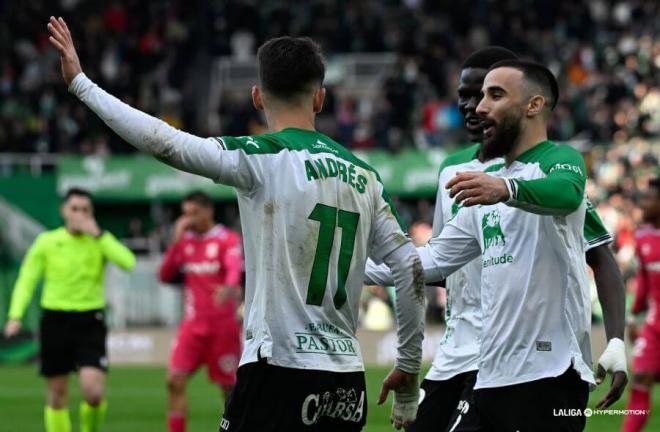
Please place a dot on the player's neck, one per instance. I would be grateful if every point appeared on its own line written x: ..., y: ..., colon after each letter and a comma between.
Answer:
x: 206, y: 228
x: 530, y: 136
x: 72, y: 232
x: 291, y: 118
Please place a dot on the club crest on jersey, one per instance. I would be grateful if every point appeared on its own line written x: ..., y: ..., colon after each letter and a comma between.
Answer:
x: 212, y: 250
x: 492, y: 229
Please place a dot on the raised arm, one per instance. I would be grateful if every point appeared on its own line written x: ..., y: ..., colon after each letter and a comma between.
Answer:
x: 202, y: 156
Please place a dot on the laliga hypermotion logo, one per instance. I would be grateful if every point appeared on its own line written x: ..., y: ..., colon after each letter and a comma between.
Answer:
x: 493, y: 234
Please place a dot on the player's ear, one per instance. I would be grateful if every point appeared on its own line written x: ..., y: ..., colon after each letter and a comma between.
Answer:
x: 319, y: 98
x: 535, y: 105
x: 256, y: 98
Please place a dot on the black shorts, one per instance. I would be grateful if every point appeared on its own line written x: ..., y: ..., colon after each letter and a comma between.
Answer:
x: 273, y: 398
x: 466, y: 416
x: 440, y: 400
x: 546, y: 405
x: 71, y: 340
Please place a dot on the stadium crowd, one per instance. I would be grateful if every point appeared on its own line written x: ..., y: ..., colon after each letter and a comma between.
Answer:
x: 157, y: 55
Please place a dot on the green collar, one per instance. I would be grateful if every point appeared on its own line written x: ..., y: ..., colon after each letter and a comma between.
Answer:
x: 533, y: 153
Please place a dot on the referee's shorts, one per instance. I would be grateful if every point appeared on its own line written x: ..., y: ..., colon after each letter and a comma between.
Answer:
x: 71, y: 340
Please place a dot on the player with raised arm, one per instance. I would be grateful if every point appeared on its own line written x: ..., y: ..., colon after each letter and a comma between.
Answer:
x: 646, y: 355
x: 311, y: 214
x: 210, y: 257
x: 535, y: 337
x: 448, y: 384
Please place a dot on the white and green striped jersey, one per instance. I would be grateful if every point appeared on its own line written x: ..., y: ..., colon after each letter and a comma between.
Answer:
x: 535, y: 315
x: 311, y: 214
x: 459, y: 349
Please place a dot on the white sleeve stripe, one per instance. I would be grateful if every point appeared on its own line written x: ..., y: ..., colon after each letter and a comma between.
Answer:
x: 513, y: 190
x: 600, y: 243
x: 604, y: 237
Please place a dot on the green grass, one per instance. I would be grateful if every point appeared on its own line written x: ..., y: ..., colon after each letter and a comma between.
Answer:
x: 136, y: 398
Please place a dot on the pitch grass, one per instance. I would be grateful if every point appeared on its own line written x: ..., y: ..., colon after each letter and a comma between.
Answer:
x: 136, y: 398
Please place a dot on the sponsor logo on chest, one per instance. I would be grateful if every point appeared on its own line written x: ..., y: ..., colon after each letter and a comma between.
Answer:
x: 204, y: 267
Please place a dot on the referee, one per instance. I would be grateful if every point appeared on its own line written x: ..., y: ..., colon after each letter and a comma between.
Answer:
x: 71, y: 260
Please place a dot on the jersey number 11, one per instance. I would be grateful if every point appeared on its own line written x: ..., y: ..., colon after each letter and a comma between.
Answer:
x: 330, y: 218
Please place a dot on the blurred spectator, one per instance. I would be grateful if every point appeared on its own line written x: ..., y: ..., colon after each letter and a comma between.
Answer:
x: 378, y: 309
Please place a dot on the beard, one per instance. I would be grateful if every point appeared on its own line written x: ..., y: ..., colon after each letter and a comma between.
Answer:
x: 505, y: 137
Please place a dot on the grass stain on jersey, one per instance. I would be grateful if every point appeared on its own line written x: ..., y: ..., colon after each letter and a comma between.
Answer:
x: 269, y: 208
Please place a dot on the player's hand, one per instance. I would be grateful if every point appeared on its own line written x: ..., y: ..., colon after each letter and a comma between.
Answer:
x: 12, y: 328
x: 61, y: 39
x: 89, y: 226
x: 180, y: 226
x: 472, y: 188
x: 406, y: 397
x: 612, y: 361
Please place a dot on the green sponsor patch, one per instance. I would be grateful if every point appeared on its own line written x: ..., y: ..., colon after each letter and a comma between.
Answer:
x: 314, y: 343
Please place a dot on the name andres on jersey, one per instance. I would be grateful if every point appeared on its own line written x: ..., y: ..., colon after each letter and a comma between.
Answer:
x: 320, y: 169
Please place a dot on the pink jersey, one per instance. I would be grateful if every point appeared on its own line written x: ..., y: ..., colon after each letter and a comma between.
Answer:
x: 648, y: 276
x: 207, y: 262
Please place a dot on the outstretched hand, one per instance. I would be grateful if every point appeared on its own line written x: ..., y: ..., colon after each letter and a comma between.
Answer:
x: 61, y: 39
x: 473, y: 188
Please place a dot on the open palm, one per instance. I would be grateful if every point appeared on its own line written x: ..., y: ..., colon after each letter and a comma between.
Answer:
x: 62, y: 41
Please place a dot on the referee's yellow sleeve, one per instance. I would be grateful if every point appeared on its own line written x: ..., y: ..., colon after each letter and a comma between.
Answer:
x: 115, y: 252
x: 31, y: 271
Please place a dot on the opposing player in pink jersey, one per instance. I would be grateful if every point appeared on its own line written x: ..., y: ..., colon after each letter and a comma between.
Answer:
x: 646, y: 357
x: 211, y: 259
